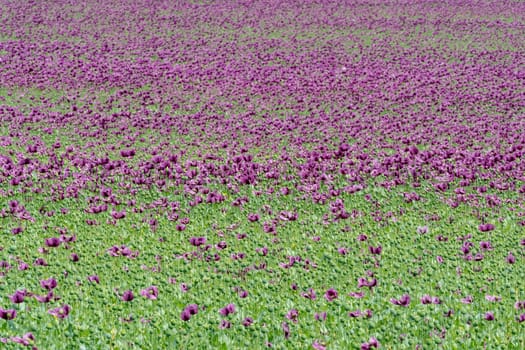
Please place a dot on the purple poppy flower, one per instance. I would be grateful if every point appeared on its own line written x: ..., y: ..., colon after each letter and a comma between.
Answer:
x: 510, y: 258
x: 23, y: 266
x: 374, y: 342
x: 310, y: 294
x: 486, y: 227
x: 521, y: 318
x: 403, y: 301
x: 320, y: 316
x: 193, y: 309
x: 519, y: 305
x: 375, y: 250
x: 489, y: 316
x: 127, y: 296
x: 227, y: 310
x: 354, y: 314
x: 293, y: 315
x: 318, y: 346
x: 426, y: 299
x: 253, y: 217
x: 197, y: 241
x: 48, y: 284
x: 185, y: 315
x: 225, y: 324
x: 17, y: 230
x: 362, y: 238
x: 184, y: 287
x: 331, y: 294
x: 439, y: 259
x: 52, y: 242
x: 422, y: 230
x: 286, y: 330
x: 18, y: 297
x: 74, y: 257
x: 151, y: 293
x: 493, y: 298
x: 60, y: 312
x: 485, y: 245
x: 248, y: 321
x: 362, y: 282
x: 40, y: 262
x: 44, y: 298
x: 7, y: 314
x: 93, y: 279
x: 342, y: 250
x: 357, y: 295
x: 467, y: 300
x: 243, y: 294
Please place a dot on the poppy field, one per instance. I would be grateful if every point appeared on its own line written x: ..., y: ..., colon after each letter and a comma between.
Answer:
x: 262, y: 174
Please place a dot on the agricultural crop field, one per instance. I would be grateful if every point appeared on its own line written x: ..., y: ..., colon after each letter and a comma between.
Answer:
x: 262, y: 174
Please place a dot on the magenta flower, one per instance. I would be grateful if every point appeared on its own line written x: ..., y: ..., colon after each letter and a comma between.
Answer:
x: 486, y: 227
x: 227, y: 310
x: 403, y: 301
x: 60, y: 312
x: 127, y: 296
x: 185, y: 315
x: 320, y: 316
x: 375, y: 250
x: 93, y: 279
x: 318, y: 346
x: 489, y: 316
x: 521, y: 318
x: 225, y: 324
x: 510, y: 258
x: 18, y: 297
x: 331, y: 294
x: 7, y: 314
x: 467, y: 300
x: 286, y: 330
x: 293, y: 315
x: 248, y: 321
x: 52, y: 242
x: 193, y: 309
x: 48, y: 284
x: 151, y: 293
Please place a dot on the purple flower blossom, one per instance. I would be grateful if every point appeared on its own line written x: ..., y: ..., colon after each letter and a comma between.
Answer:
x: 467, y: 300
x: 320, y: 316
x: 127, y: 296
x: 52, y: 242
x: 7, y: 314
x: 486, y: 227
x: 375, y: 250
x: 227, y: 310
x: 48, y: 284
x: 225, y: 324
x: 489, y: 316
x: 93, y: 279
x: 185, y: 315
x: 248, y: 321
x: 293, y: 315
x: 151, y: 293
x: 18, y: 297
x: 403, y: 301
x: 60, y: 312
x: 286, y: 330
x: 331, y: 294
